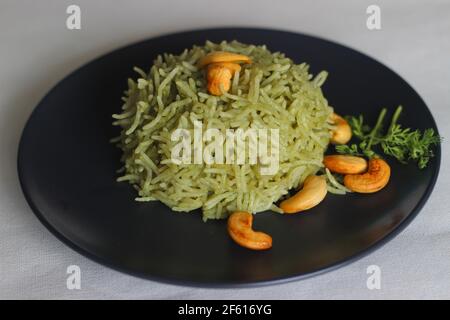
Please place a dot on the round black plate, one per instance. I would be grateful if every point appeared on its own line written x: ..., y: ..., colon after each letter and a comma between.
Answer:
x: 67, y: 172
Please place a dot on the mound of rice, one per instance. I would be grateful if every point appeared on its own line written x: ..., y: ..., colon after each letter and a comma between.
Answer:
x: 272, y: 93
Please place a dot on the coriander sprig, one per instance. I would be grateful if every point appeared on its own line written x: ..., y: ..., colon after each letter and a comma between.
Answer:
x: 404, y: 144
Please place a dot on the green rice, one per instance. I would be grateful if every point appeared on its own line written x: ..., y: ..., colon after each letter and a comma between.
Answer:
x: 272, y: 93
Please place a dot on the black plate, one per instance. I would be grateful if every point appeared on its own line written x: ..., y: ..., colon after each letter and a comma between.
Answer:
x: 67, y: 172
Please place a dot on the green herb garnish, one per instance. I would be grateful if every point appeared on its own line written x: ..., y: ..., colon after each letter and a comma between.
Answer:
x: 404, y: 144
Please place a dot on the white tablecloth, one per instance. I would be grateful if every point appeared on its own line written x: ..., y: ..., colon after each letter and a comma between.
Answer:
x: 37, y: 50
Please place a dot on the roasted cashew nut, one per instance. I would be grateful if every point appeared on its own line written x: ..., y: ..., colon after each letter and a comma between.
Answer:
x: 219, y: 76
x: 313, y: 192
x: 221, y: 66
x: 342, y: 132
x: 223, y: 56
x: 233, y: 67
x: 240, y: 230
x: 344, y: 164
x: 375, y: 179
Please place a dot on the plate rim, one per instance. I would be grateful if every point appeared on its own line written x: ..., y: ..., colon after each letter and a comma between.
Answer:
x: 225, y: 284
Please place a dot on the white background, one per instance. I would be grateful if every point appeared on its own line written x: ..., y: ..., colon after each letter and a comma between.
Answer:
x: 36, y: 51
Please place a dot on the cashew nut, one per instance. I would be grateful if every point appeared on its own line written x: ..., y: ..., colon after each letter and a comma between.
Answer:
x: 240, y: 230
x: 220, y: 74
x: 342, y: 132
x: 223, y: 56
x: 375, y: 179
x: 313, y: 192
x: 232, y: 66
x: 219, y: 78
x: 345, y: 164
x: 221, y: 68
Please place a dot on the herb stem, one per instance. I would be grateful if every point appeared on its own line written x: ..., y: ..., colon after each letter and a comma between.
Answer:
x: 377, y: 127
x: 395, y: 117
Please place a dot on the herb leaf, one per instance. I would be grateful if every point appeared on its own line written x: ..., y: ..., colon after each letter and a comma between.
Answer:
x: 404, y: 144
x: 349, y: 149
